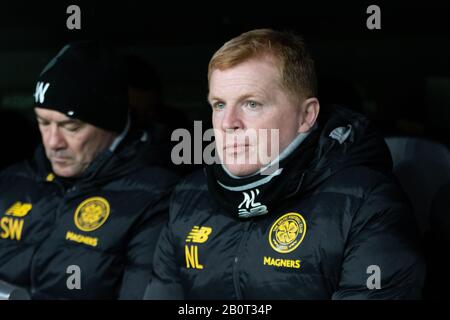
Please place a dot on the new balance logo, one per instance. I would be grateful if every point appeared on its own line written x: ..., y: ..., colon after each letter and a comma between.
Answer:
x: 41, y: 89
x: 196, y: 235
x: 252, y: 208
x: 19, y: 209
x: 199, y: 234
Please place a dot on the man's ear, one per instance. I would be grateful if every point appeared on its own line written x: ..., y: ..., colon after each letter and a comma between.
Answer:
x: 310, y: 111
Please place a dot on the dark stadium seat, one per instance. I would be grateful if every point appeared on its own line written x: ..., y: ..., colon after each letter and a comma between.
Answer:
x: 422, y: 167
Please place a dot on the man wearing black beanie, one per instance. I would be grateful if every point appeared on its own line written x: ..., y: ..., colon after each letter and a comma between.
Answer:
x: 80, y: 220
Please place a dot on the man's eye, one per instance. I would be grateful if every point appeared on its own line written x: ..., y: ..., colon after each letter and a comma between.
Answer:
x: 72, y: 128
x: 252, y: 104
x: 219, y: 105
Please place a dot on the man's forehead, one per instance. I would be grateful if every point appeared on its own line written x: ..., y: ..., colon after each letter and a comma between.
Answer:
x: 251, y: 67
x: 257, y: 72
x: 242, y: 87
x: 53, y: 115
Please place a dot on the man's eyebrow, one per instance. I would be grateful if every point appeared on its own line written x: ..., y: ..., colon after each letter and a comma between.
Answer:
x: 248, y: 95
x: 41, y: 118
x: 209, y: 99
x: 69, y: 121
x: 240, y: 98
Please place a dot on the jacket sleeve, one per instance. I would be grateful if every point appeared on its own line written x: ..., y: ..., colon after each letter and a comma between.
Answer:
x: 382, y: 257
x: 140, y: 251
x: 165, y: 283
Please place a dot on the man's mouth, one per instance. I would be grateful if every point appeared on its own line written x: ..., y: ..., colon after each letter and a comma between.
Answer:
x: 59, y: 160
x: 236, y: 147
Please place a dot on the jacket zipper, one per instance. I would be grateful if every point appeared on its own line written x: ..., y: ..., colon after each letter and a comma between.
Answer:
x: 67, y: 194
x: 242, y: 241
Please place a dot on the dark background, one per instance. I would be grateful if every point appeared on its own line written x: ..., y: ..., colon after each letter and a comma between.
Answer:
x: 399, y: 76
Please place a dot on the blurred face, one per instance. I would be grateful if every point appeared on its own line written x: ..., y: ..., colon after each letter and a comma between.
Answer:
x: 247, y: 98
x: 70, y: 145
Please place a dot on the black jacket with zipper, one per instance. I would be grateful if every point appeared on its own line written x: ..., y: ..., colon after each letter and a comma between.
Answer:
x: 90, y: 238
x: 358, y: 238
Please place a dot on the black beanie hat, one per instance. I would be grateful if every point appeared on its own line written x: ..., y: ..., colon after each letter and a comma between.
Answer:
x: 85, y: 82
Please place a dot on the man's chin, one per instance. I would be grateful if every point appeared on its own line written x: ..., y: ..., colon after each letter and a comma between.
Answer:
x: 63, y: 171
x: 242, y: 170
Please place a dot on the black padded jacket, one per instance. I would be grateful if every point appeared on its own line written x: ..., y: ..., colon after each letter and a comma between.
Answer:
x: 347, y: 231
x: 92, y: 238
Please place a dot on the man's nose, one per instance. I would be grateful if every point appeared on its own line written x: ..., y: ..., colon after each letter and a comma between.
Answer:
x: 232, y: 119
x: 55, y: 139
